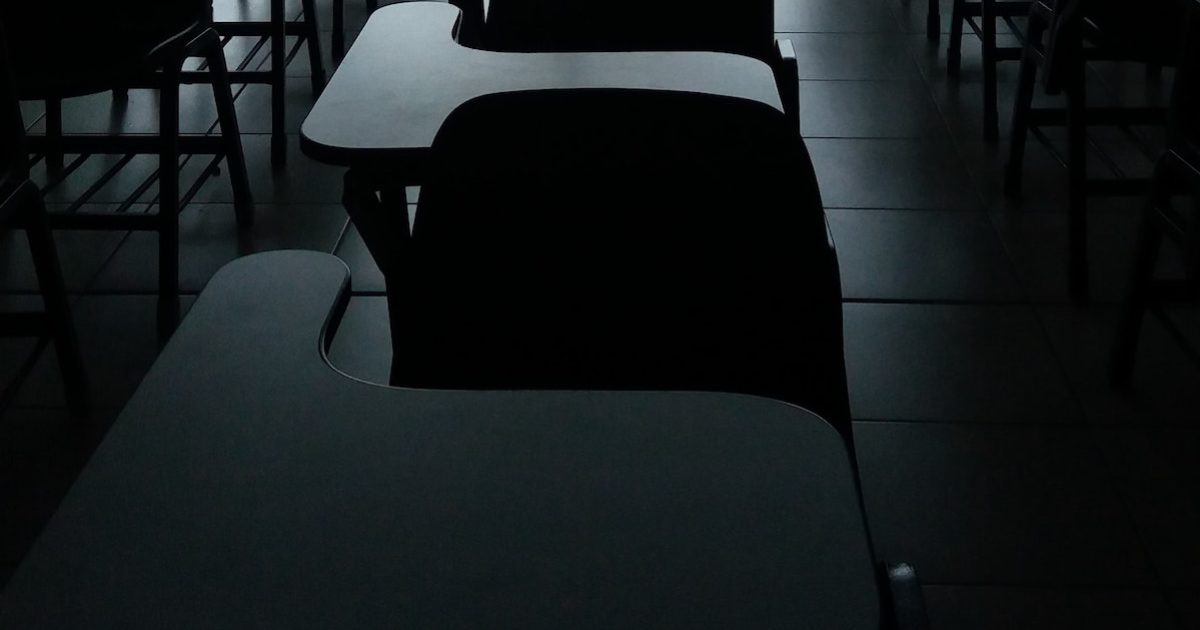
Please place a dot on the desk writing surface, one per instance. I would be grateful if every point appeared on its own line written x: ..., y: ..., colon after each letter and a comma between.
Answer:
x: 249, y: 485
x: 405, y: 74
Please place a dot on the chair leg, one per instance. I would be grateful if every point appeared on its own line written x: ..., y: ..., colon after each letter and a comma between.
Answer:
x: 235, y: 158
x: 312, y: 35
x: 168, y: 203
x: 339, y: 31
x: 1014, y: 168
x: 1077, y: 186
x: 54, y: 133
x: 991, y: 115
x: 1121, y: 362
x: 933, y: 20
x: 954, y: 50
x: 278, y: 84
x: 58, y: 310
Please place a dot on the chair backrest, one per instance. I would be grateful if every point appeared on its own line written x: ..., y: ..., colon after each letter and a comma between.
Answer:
x: 746, y: 27
x: 621, y: 240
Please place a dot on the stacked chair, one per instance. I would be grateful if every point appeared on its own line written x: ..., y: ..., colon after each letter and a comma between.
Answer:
x: 274, y: 31
x: 1176, y: 178
x: 1061, y: 39
x: 97, y: 47
x: 21, y: 207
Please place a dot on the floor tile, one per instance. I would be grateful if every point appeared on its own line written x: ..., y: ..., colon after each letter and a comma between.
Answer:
x: 1167, y: 516
x: 921, y: 255
x: 125, y: 181
x: 891, y: 174
x: 1038, y: 244
x: 984, y: 608
x: 210, y: 238
x: 301, y: 181
x: 41, y: 452
x: 952, y: 363
x: 138, y: 112
x: 1187, y: 602
x: 997, y: 505
x: 867, y: 109
x: 844, y: 56
x: 364, y: 273
x: 911, y: 15
x: 1155, y: 472
x: 848, y: 16
x: 362, y: 346
x: 1163, y: 388
x: 931, y: 57
x: 118, y: 340
x: 254, y: 107
x: 15, y: 353
x: 81, y: 254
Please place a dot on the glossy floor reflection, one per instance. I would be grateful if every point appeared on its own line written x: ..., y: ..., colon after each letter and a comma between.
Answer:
x: 994, y: 456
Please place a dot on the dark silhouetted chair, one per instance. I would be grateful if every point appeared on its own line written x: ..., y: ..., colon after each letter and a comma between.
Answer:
x: 21, y: 206
x: 1176, y: 174
x: 274, y: 30
x: 92, y: 47
x: 712, y: 270
x: 1062, y: 38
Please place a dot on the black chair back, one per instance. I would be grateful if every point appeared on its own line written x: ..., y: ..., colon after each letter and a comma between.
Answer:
x: 621, y: 240
x: 620, y: 25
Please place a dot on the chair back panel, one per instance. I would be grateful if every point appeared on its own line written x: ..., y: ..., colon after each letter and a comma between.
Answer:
x: 746, y: 28
x: 622, y: 240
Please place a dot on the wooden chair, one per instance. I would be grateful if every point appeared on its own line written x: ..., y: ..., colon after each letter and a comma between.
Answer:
x: 1176, y: 175
x: 1062, y: 38
x: 113, y: 46
x: 981, y: 16
x: 714, y: 270
x: 21, y: 206
x: 275, y: 31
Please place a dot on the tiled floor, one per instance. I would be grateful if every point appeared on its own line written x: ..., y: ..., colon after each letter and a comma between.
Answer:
x: 993, y: 454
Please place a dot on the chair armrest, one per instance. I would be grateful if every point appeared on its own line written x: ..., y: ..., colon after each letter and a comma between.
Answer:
x: 787, y: 76
x: 904, y: 605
